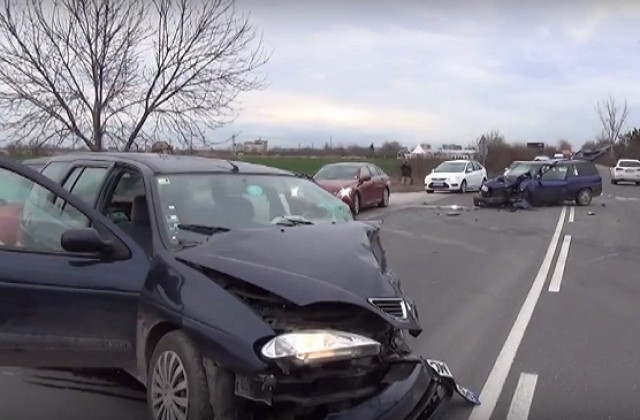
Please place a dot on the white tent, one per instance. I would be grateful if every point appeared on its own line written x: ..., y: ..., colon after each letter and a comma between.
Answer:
x: 419, y: 151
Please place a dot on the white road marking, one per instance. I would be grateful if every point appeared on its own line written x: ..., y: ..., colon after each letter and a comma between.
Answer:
x: 572, y: 214
x: 498, y: 375
x: 556, y: 279
x: 523, y: 397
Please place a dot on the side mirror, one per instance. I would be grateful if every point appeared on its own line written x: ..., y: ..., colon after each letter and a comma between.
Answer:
x: 85, y: 240
x: 469, y: 170
x: 365, y: 178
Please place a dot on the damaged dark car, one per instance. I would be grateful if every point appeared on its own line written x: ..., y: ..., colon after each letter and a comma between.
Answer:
x: 538, y: 183
x: 232, y: 290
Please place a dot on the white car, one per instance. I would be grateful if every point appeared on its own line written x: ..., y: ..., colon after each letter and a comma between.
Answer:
x: 558, y: 156
x: 626, y: 170
x: 456, y: 175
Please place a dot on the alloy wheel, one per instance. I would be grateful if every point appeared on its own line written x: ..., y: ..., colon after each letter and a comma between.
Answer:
x: 385, y: 197
x: 356, y: 204
x: 169, y: 388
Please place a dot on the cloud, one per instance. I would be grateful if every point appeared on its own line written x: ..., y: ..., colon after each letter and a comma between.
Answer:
x: 442, y: 70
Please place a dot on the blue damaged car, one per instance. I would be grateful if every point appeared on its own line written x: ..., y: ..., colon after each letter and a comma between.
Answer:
x: 545, y: 182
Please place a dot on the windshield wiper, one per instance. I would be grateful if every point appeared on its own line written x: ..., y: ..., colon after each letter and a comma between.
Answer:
x: 292, y: 221
x: 203, y: 229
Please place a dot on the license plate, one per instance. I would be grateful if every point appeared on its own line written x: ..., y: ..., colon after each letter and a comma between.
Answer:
x: 438, y: 184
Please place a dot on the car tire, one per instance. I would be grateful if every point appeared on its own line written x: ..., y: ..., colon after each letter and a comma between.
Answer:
x: 614, y: 182
x: 429, y: 191
x: 463, y: 187
x: 355, y: 206
x: 177, y: 357
x: 584, y: 197
x: 385, y: 198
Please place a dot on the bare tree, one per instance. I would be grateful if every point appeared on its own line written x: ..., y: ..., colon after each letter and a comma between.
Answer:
x: 114, y: 72
x: 612, y: 118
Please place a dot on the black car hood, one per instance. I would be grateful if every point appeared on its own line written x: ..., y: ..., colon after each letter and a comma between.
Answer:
x: 303, y: 264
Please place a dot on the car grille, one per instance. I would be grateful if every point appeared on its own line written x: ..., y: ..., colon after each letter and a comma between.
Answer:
x: 438, y: 179
x: 394, y: 307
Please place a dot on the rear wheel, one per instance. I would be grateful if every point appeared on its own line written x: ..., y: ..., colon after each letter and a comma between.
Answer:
x: 177, y: 387
x: 614, y: 182
x: 429, y: 191
x: 584, y: 197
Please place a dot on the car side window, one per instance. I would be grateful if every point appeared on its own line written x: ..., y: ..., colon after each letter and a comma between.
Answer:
x: 587, y: 169
x: 88, y: 184
x: 364, y: 171
x: 557, y: 173
x: 32, y: 222
x: 56, y: 170
x: 374, y: 170
x: 130, y: 184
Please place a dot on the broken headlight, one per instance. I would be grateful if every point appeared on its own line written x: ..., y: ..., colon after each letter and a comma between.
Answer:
x: 484, y: 188
x: 308, y: 347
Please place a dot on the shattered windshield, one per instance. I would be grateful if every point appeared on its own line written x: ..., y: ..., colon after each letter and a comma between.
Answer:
x: 193, y: 206
x: 522, y: 168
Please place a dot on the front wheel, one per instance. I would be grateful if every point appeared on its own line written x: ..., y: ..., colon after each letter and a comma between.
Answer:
x: 177, y: 386
x: 385, y: 198
x: 584, y: 197
x: 355, y: 208
x: 463, y: 187
x: 429, y: 191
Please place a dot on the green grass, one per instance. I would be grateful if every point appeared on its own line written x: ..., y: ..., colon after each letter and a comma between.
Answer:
x: 309, y: 166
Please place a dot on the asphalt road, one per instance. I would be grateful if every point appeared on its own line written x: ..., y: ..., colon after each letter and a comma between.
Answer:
x: 481, y: 280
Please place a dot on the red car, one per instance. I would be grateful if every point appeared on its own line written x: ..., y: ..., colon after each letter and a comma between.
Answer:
x: 359, y: 184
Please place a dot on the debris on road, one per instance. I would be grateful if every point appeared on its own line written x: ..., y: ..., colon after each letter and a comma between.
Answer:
x: 590, y: 213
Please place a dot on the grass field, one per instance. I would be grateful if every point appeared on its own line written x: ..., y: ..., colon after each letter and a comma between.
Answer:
x: 309, y: 165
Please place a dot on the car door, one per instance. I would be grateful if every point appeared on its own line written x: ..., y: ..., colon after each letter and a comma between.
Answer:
x: 469, y: 176
x: 477, y: 174
x: 553, y: 184
x: 378, y: 181
x: 367, y: 187
x: 60, y: 308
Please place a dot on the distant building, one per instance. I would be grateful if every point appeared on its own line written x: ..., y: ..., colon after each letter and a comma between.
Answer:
x: 256, y: 146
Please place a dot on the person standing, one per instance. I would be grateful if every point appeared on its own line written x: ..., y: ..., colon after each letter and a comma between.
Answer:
x: 405, y: 171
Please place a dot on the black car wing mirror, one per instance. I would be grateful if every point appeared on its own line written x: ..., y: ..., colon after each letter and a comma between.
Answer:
x: 85, y: 240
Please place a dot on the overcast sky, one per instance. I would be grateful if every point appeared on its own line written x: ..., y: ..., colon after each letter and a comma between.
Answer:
x: 440, y: 71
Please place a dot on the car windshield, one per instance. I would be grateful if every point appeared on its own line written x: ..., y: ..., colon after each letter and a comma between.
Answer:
x: 192, y: 205
x: 450, y: 167
x: 629, y: 164
x: 521, y: 168
x: 337, y: 172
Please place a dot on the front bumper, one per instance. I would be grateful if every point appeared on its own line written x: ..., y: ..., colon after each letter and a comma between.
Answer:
x: 410, y: 390
x: 489, y: 201
x: 446, y: 185
x: 408, y: 399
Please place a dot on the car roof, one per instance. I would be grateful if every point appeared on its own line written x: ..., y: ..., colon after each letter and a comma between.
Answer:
x: 163, y: 163
x: 628, y: 160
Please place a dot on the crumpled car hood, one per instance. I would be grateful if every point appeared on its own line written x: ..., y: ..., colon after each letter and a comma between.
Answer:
x: 303, y: 264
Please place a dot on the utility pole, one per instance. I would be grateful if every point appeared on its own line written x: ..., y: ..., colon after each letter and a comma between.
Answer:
x: 233, y: 144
